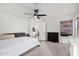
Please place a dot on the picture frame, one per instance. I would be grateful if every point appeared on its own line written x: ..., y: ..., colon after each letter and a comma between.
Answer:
x: 66, y: 28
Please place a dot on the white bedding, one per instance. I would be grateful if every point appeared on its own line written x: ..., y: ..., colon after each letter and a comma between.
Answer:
x: 9, y: 42
x: 17, y: 46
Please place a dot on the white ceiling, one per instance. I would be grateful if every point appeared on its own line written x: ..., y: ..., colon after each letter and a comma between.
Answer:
x: 51, y: 9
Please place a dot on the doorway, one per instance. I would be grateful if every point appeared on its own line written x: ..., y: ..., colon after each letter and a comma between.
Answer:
x: 40, y: 29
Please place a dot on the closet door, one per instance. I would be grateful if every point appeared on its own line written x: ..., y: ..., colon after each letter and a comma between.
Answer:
x: 42, y: 31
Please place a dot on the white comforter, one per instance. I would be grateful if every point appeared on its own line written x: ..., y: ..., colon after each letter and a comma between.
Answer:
x: 17, y: 46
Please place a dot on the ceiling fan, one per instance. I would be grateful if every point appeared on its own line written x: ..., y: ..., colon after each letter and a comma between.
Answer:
x: 36, y: 11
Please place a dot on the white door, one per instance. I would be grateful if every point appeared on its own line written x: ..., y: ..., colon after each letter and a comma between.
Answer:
x: 42, y: 31
x: 40, y: 27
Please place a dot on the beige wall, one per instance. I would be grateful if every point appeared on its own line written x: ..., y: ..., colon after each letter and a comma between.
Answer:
x: 11, y: 23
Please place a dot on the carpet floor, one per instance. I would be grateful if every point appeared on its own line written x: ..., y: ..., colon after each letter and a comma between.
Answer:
x: 49, y: 49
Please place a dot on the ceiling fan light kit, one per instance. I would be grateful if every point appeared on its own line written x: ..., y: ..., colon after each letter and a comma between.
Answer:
x: 36, y: 11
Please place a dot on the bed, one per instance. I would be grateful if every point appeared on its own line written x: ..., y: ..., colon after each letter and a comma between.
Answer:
x: 17, y: 46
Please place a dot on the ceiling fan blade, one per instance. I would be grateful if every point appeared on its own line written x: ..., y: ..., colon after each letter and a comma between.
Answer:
x: 41, y: 15
x: 28, y: 14
x: 30, y: 17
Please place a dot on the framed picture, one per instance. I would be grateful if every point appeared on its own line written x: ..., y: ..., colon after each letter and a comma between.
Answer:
x: 66, y: 28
